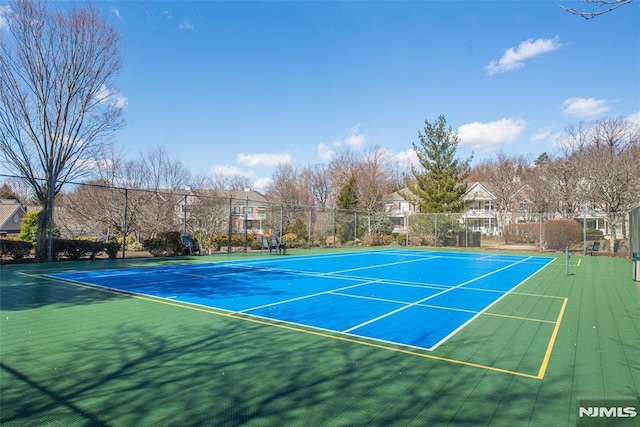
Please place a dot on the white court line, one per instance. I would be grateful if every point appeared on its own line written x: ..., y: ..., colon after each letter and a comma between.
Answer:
x: 430, y: 297
x: 379, y: 265
x: 305, y: 296
x: 436, y: 345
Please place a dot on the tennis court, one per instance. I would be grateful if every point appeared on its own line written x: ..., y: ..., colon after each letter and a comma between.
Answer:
x: 410, y: 298
x: 388, y: 337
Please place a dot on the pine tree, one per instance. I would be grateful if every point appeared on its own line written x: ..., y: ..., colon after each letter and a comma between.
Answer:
x: 348, y: 195
x: 440, y: 187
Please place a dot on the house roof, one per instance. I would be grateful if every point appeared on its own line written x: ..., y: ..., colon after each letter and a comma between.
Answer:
x: 477, y: 191
x: 11, y: 213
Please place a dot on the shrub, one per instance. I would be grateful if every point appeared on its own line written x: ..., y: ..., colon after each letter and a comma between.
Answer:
x: 377, y: 239
x: 401, y: 239
x: 222, y: 241
x: 29, y: 227
x: 76, y: 249
x: 134, y: 246
x: 594, y: 234
x: 171, y: 242
x: 112, y: 249
x: 559, y: 233
x: 528, y: 233
x: 15, y: 249
x: 154, y: 246
x: 166, y: 243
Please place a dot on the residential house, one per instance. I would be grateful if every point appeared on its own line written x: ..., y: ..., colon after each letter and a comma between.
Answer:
x: 11, y: 213
x: 399, y: 210
x: 248, y: 211
x: 481, y: 213
x: 248, y: 208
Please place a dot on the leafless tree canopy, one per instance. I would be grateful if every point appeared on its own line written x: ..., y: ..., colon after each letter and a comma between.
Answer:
x: 57, y: 102
x: 596, y: 7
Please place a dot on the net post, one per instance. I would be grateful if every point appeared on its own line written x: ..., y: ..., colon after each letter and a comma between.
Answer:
x: 566, y: 260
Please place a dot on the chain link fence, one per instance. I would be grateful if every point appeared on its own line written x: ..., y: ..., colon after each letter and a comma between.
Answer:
x: 228, y: 221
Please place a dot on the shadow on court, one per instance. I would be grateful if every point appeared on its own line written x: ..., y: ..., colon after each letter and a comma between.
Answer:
x: 24, y: 293
x: 75, y: 356
x: 175, y: 367
x: 137, y: 378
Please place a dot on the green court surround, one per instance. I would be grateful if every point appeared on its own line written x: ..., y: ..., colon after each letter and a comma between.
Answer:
x: 72, y: 355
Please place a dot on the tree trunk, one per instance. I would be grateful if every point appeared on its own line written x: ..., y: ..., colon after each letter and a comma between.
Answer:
x: 43, y: 233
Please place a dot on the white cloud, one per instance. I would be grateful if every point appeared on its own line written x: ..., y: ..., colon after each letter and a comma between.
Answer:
x: 112, y: 97
x: 512, y: 59
x: 635, y: 118
x: 407, y: 158
x: 492, y: 135
x: 353, y: 140
x: 584, y: 107
x: 116, y: 12
x: 230, y: 170
x: 185, y: 25
x: 263, y: 159
x: 261, y: 184
x: 541, y: 136
x: 325, y: 152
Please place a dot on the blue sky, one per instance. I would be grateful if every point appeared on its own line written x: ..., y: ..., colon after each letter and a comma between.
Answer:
x: 241, y: 86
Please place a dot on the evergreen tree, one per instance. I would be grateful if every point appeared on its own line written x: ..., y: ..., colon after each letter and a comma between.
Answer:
x: 347, y: 204
x: 440, y: 187
x: 348, y: 195
x: 6, y: 192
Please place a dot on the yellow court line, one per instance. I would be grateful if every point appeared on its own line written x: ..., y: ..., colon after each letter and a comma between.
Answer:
x: 518, y: 317
x: 381, y: 346
x: 237, y: 316
x: 554, y: 335
x: 536, y: 295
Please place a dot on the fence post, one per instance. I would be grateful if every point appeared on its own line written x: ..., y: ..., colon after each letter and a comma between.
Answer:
x: 230, y: 228
x: 309, y: 228
x: 184, y: 215
x: 584, y: 229
x: 355, y: 226
x: 334, y: 227
x: 436, y: 230
x: 124, y: 222
x: 246, y: 224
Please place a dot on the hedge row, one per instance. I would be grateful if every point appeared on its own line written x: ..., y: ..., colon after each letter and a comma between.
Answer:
x: 15, y: 249
x: 166, y: 243
x: 78, y: 249
x: 62, y: 248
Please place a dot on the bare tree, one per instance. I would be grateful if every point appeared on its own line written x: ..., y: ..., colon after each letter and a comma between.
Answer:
x: 318, y: 182
x: 160, y: 181
x: 607, y: 154
x: 373, y: 179
x: 57, y: 102
x: 22, y: 190
x: 560, y: 186
x: 158, y: 171
x: 341, y: 168
x: 289, y: 189
x: 504, y: 180
x: 598, y: 7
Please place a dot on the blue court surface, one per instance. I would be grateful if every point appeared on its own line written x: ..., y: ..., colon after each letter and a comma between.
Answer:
x: 403, y: 297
